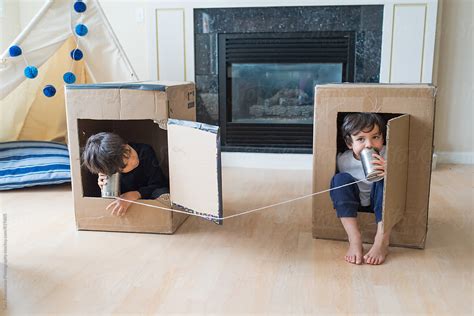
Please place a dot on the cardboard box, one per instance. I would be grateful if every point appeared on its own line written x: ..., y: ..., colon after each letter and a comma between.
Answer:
x: 160, y: 114
x: 409, y: 111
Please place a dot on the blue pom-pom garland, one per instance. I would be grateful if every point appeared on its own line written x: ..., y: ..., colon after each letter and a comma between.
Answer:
x: 31, y: 72
x: 14, y: 51
x: 49, y: 91
x: 81, y: 29
x: 69, y: 77
x: 80, y: 6
x: 76, y: 54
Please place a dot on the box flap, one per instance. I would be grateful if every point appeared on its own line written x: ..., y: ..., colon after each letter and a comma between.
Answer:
x: 195, y: 168
x: 395, y: 188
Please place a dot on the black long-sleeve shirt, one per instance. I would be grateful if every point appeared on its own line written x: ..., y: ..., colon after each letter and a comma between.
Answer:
x: 147, y: 176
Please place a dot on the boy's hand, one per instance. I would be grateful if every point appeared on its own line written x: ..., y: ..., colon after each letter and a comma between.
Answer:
x: 119, y: 207
x: 379, y: 164
x: 102, y: 180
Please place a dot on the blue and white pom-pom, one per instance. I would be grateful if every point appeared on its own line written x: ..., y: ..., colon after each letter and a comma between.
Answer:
x: 49, y: 91
x: 14, y: 51
x: 31, y: 72
x: 69, y: 77
x: 80, y: 6
x: 81, y: 30
x: 76, y: 54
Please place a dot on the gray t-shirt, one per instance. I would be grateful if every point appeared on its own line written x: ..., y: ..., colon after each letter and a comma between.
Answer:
x: 347, y: 163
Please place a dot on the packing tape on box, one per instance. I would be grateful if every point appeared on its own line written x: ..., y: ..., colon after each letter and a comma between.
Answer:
x: 238, y: 214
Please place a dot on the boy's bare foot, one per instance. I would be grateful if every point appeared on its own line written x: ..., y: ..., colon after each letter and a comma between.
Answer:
x: 379, y: 251
x: 164, y: 197
x: 376, y: 254
x: 354, y: 253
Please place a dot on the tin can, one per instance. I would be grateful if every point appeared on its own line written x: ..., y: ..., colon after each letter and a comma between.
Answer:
x: 111, y: 189
x: 366, y: 159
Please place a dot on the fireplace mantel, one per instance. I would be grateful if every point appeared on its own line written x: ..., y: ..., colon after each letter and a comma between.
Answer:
x: 408, y: 43
x: 407, y: 50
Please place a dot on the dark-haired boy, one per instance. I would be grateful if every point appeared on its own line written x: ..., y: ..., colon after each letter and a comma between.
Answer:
x: 141, y: 176
x: 361, y: 130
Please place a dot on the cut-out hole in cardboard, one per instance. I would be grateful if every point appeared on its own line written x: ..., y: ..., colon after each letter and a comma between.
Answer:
x: 134, y: 131
x: 396, y: 142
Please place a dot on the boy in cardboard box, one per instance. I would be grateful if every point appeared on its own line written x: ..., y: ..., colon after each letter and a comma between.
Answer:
x: 141, y: 176
x: 361, y: 130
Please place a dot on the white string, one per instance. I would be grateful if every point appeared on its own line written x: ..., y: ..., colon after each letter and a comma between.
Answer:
x: 76, y: 37
x: 24, y: 59
x: 245, y: 212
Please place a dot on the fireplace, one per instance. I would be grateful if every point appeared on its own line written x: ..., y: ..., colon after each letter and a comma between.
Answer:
x: 266, y: 86
x: 256, y: 68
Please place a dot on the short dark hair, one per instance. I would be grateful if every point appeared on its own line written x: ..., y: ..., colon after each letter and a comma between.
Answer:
x: 363, y: 121
x: 104, y: 153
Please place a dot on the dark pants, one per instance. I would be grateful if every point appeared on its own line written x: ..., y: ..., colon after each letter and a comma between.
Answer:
x: 157, y: 192
x: 346, y: 200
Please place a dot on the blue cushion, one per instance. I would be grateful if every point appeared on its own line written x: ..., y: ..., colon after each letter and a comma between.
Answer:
x: 31, y: 163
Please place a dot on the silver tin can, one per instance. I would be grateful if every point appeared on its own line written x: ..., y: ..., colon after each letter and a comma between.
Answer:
x: 111, y: 189
x: 366, y: 158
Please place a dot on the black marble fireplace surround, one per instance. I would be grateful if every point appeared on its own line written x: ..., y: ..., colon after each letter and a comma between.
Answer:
x: 363, y: 22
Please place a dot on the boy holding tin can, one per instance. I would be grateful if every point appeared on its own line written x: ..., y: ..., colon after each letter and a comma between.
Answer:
x: 141, y: 177
x: 363, y: 135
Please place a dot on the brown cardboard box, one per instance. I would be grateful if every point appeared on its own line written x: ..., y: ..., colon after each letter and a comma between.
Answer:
x: 409, y: 110
x: 143, y: 112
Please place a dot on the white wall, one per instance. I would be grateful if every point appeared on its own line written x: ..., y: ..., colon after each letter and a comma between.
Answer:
x: 128, y: 20
x: 454, y: 140
x: 453, y: 131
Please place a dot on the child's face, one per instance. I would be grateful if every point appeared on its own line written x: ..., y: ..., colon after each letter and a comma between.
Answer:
x: 131, y: 162
x: 366, y: 139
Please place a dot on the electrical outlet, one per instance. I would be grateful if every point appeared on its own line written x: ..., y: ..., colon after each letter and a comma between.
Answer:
x: 139, y: 15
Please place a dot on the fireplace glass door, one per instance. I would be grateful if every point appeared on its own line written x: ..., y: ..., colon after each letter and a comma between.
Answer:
x: 266, y: 86
x: 269, y: 93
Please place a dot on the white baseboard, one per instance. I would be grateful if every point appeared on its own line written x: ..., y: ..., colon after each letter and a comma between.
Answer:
x: 460, y: 157
x: 267, y: 161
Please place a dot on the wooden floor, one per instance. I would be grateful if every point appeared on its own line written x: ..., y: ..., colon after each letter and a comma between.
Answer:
x: 262, y: 263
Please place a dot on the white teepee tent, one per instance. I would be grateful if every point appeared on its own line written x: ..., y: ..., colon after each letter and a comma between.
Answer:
x: 46, y: 43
